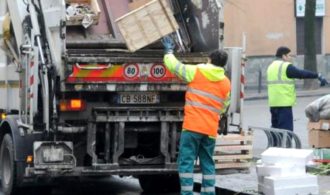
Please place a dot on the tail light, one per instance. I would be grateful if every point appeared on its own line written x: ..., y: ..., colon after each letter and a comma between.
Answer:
x: 29, y: 159
x: 3, y: 116
x: 72, y: 105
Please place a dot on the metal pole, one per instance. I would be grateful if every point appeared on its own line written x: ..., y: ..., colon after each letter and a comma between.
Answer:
x: 259, y: 80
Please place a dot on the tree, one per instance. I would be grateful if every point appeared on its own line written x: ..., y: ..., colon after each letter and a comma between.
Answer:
x: 310, y: 61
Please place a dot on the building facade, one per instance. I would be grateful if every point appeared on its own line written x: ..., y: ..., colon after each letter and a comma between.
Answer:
x: 261, y: 26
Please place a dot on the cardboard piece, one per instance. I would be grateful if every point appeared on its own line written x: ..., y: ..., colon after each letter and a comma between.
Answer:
x: 322, y: 124
x: 319, y: 138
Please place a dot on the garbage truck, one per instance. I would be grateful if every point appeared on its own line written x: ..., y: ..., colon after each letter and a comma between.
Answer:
x: 75, y: 102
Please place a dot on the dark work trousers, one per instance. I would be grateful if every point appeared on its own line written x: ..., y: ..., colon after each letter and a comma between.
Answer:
x: 192, y: 145
x: 282, y: 118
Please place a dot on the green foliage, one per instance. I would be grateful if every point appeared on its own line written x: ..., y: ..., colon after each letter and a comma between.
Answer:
x: 322, y: 169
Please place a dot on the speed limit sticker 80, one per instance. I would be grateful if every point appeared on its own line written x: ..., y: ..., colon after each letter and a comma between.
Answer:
x: 131, y: 71
x: 158, y: 71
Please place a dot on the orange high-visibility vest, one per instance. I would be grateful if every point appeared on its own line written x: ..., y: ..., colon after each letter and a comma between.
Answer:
x: 204, y: 100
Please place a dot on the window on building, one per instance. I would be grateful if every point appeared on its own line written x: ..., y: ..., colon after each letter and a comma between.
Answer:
x: 317, y: 35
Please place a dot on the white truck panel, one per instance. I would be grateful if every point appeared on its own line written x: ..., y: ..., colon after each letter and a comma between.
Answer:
x: 2, y: 54
x: 9, y: 88
x: 12, y: 102
x: 17, y: 11
x: 9, y: 91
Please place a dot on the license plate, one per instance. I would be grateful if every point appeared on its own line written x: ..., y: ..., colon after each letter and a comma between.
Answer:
x: 138, y: 98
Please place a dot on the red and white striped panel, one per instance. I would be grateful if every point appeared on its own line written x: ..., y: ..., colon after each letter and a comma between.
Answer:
x: 242, y: 78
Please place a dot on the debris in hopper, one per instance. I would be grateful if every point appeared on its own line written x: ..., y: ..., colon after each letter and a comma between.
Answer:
x: 81, y: 10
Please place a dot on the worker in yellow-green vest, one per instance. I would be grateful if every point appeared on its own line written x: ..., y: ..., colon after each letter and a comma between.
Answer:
x: 207, y: 97
x: 281, y: 75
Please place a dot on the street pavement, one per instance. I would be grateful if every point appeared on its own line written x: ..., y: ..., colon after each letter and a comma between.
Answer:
x: 256, y: 113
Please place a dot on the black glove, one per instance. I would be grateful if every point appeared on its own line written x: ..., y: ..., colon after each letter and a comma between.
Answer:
x: 223, y: 125
x: 322, y: 80
x: 168, y: 44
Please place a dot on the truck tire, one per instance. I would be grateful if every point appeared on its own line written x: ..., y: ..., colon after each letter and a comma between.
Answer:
x: 160, y: 183
x: 8, y: 166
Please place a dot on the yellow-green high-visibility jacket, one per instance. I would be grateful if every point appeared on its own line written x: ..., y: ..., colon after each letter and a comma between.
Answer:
x: 207, y: 94
x: 281, y: 89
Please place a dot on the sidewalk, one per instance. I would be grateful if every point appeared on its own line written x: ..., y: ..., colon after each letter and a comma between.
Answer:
x: 252, y: 94
x: 247, y: 184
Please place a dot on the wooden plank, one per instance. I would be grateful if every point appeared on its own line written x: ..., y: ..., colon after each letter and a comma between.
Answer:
x: 234, y: 137
x: 233, y: 157
x: 226, y: 148
x: 233, y: 152
x: 137, y: 4
x: 233, y: 165
x: 147, y: 24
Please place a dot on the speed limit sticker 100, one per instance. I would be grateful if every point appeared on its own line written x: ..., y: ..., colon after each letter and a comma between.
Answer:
x: 158, y: 71
x: 131, y: 71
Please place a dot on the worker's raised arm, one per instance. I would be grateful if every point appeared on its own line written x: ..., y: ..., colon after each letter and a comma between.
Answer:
x: 183, y: 71
x: 294, y: 72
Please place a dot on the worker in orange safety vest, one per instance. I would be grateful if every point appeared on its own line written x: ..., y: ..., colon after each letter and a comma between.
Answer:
x: 207, y: 97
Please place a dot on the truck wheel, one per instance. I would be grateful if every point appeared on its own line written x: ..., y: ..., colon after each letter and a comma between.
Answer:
x: 160, y: 183
x: 7, y: 166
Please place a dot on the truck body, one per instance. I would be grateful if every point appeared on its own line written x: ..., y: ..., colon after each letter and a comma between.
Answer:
x: 76, y: 102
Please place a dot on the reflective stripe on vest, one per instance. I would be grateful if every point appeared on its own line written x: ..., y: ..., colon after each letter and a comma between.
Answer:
x: 184, y: 73
x: 203, y: 93
x: 218, y: 100
x: 281, y: 89
x: 197, y: 104
x: 204, y: 101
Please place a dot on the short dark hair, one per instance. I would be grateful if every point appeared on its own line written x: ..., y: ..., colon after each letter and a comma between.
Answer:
x: 219, y: 58
x: 282, y: 51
